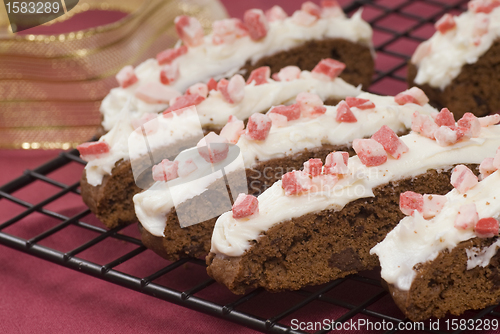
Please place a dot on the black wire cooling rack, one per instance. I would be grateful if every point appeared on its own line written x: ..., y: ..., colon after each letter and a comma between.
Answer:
x: 398, y: 26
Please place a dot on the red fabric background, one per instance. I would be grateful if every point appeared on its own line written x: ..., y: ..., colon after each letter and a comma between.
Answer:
x: 42, y: 297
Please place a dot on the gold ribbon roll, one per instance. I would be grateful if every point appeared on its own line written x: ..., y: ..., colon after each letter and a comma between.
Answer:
x: 51, y: 86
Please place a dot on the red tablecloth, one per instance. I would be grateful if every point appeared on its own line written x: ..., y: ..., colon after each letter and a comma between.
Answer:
x: 38, y: 296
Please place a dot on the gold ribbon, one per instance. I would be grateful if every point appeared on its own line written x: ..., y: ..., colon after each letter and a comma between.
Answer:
x: 51, y: 86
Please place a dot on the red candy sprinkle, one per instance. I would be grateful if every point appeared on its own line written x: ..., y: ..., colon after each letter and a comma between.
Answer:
x: 277, y: 119
x: 169, y: 73
x: 200, y: 89
x: 424, y: 125
x: 292, y: 112
x: 256, y: 23
x: 447, y: 22
x: 403, y: 99
x: 390, y: 141
x: 412, y: 95
x: 287, y: 73
x: 258, y: 126
x: 489, y: 120
x: 167, y: 56
x: 313, y: 167
x: 259, y: 75
x: 296, y: 182
x: 486, y: 227
x: 185, y: 101
x: 310, y: 104
x: 410, y: 201
x: 232, y: 90
x: 448, y: 135
x: 354, y: 101
x: 486, y: 167
x: 304, y: 19
x: 233, y: 129
x: 471, y: 124
x: 366, y: 105
x: 189, y: 30
x: 433, y: 205
x: 328, y: 69
x: 344, y: 113
x: 166, y: 170
x: 245, y: 205
x: 227, y: 31
x: 126, y: 77
x: 370, y: 152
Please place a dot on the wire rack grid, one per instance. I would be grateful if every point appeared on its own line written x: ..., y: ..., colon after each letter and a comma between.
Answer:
x: 398, y: 26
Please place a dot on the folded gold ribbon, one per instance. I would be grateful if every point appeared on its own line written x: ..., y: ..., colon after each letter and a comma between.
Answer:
x: 51, y: 86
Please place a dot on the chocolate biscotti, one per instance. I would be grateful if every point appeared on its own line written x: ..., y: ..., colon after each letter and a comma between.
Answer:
x: 459, y: 66
x: 108, y: 180
x: 443, y: 257
x: 288, y: 137
x: 315, y: 226
x: 269, y: 39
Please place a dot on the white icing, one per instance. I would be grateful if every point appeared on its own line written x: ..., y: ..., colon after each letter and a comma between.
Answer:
x: 215, y: 111
x: 232, y: 237
x: 170, y: 130
x: 298, y: 135
x: 201, y: 63
x: 416, y: 240
x: 308, y: 133
x: 212, y: 112
x: 455, y: 48
x: 481, y: 257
